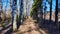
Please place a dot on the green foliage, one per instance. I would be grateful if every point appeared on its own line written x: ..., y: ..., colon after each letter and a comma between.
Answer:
x: 35, y: 6
x: 31, y: 13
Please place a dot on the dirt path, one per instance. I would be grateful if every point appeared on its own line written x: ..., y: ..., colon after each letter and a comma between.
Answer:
x: 29, y: 27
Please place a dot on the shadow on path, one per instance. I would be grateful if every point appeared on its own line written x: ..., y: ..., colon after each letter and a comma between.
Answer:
x: 48, y: 26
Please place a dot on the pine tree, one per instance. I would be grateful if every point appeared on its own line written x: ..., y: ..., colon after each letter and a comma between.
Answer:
x: 56, y: 12
x: 35, y: 7
x: 50, y: 10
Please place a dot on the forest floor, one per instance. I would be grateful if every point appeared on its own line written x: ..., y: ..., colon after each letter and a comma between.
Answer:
x: 30, y: 27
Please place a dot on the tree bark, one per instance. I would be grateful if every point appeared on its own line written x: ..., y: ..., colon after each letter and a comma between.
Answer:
x: 56, y: 16
x: 56, y: 12
x: 14, y: 26
x: 50, y: 10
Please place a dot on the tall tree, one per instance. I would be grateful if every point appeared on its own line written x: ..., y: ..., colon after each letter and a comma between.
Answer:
x: 45, y: 10
x: 56, y: 12
x: 20, y: 13
x: 36, y: 6
x: 14, y: 3
x: 56, y: 16
x: 50, y: 10
x: 50, y: 2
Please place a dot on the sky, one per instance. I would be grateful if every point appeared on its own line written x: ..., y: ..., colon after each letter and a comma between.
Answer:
x: 59, y: 3
x: 48, y: 6
x: 5, y: 3
x: 53, y: 5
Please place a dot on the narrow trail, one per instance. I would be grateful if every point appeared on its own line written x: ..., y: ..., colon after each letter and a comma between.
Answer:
x: 29, y: 27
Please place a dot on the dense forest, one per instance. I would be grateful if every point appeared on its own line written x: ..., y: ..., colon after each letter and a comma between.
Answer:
x: 30, y: 17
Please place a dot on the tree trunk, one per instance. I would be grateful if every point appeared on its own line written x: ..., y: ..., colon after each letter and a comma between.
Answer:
x: 45, y: 11
x: 50, y: 11
x: 56, y: 12
x: 14, y: 26
x: 56, y: 16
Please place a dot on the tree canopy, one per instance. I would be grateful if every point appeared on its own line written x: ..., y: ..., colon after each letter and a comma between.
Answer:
x: 36, y: 5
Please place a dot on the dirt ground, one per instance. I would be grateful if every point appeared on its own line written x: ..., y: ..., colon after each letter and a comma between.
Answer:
x: 29, y: 27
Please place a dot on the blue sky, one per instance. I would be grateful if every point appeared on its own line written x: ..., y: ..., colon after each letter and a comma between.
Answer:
x: 59, y: 3
x: 53, y: 5
x: 48, y: 6
x: 6, y: 3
